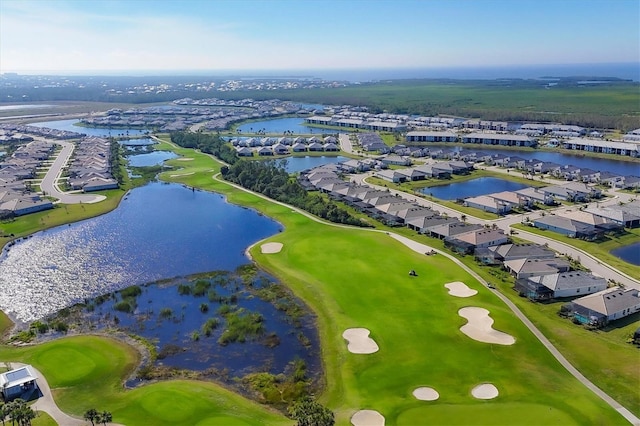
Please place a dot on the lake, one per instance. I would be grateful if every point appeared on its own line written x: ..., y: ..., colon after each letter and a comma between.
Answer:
x: 69, y: 125
x: 472, y: 188
x: 150, y: 159
x: 282, y: 125
x: 159, y: 231
x: 626, y: 168
x: 630, y: 253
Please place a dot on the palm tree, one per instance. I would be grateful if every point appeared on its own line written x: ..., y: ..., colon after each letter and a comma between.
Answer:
x: 3, y: 412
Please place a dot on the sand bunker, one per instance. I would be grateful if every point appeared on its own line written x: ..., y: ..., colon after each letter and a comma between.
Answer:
x: 460, y: 289
x: 367, y: 418
x: 480, y: 327
x: 485, y: 391
x: 181, y: 174
x: 359, y: 341
x: 270, y: 248
x: 184, y: 159
x: 426, y: 394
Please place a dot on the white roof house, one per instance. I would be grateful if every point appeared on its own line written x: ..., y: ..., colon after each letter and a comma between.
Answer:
x: 12, y: 383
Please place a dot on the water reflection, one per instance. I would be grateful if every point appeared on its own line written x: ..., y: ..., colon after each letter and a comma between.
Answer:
x: 159, y: 231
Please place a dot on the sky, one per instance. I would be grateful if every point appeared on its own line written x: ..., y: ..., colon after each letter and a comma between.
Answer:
x: 78, y: 36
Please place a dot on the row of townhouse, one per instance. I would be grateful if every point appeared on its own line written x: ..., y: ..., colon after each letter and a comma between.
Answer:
x: 376, y: 125
x: 592, y: 223
x: 280, y: 149
x: 541, y: 275
x: 395, y: 210
x: 529, y: 166
x: 475, y: 138
x: 90, y: 168
x: 625, y: 148
x: 17, y: 197
x: 28, y: 131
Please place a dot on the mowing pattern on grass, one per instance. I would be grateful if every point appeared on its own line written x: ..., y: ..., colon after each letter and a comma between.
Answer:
x: 359, y: 341
x: 480, y: 327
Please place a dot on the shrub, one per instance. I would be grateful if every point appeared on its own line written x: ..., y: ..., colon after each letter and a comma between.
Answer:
x: 133, y: 291
x: 123, y: 306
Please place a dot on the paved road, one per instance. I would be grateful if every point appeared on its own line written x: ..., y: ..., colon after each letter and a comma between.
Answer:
x: 49, y: 183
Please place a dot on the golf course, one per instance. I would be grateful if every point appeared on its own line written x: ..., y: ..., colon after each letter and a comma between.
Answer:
x: 352, y: 279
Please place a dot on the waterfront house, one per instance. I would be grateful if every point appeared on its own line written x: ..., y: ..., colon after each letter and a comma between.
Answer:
x: 488, y: 204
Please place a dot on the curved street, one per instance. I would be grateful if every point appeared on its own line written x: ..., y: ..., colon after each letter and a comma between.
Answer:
x: 49, y: 184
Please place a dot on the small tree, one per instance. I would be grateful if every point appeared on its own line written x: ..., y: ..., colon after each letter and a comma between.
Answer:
x: 308, y: 412
x: 3, y: 412
x: 104, y: 417
x: 91, y: 415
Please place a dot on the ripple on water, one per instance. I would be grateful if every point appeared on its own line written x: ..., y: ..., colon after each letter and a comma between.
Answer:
x: 160, y: 231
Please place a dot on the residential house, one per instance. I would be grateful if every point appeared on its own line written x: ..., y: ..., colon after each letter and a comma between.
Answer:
x: 569, y: 227
x: 559, y: 285
x: 525, y: 268
x: 607, y: 305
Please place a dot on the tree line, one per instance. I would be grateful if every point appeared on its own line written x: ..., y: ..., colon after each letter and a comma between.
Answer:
x: 207, y: 143
x: 271, y: 179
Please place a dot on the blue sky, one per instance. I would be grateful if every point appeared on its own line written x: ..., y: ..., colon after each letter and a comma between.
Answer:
x: 139, y: 35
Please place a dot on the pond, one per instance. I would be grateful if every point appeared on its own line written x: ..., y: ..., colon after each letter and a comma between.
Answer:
x: 70, y: 126
x: 630, y: 253
x: 281, y: 125
x: 159, y: 231
x: 239, y: 322
x: 150, y: 159
x: 137, y: 142
x: 472, y: 188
